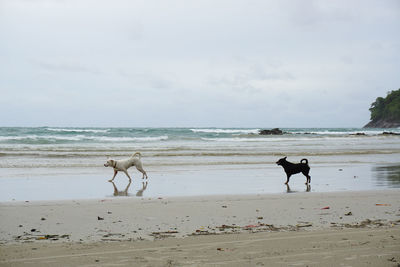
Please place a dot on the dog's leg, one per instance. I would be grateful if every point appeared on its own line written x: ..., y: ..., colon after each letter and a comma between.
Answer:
x: 127, y: 174
x: 288, y: 189
x: 288, y: 177
x: 115, y: 174
x: 139, y: 168
x: 308, y: 177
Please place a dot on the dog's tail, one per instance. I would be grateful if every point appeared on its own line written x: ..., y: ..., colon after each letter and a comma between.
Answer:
x: 137, y: 154
x: 306, y: 161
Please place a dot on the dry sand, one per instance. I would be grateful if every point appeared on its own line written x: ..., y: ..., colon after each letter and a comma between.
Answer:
x: 300, y: 229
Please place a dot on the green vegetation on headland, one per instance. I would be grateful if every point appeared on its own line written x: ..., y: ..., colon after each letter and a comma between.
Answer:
x: 385, y: 112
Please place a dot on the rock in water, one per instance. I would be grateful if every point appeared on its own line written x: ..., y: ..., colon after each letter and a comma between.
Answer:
x: 275, y: 131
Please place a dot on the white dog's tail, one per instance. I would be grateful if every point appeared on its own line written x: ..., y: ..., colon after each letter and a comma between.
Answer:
x: 137, y: 154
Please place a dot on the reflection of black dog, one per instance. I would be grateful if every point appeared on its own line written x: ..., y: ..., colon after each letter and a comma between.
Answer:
x: 293, y: 168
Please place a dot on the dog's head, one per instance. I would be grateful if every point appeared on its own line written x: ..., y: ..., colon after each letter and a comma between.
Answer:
x: 109, y: 163
x: 281, y: 161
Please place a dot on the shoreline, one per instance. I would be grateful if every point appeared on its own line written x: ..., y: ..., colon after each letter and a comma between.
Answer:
x: 195, y: 198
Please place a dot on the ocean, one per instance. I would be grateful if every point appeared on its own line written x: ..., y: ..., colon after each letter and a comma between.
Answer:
x: 193, y: 155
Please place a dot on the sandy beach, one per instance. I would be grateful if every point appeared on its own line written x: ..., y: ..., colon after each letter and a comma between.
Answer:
x: 302, y: 229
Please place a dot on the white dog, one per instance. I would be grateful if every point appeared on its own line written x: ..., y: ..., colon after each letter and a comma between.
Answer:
x: 123, y: 165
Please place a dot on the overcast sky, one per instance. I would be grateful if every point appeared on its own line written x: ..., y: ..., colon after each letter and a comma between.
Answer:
x: 222, y: 63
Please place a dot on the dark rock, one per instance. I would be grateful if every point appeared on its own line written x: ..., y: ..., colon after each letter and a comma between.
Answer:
x: 390, y: 133
x: 275, y: 131
x: 382, y: 124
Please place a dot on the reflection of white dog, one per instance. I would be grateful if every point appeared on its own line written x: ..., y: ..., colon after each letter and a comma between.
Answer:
x: 123, y: 165
x: 123, y: 192
x: 140, y: 192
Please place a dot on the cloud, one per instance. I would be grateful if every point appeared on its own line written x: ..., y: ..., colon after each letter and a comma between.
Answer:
x: 197, y: 62
x: 249, y: 77
x: 311, y: 13
x: 60, y: 66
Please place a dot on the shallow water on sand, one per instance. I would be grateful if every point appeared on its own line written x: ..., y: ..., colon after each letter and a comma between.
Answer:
x: 228, y: 180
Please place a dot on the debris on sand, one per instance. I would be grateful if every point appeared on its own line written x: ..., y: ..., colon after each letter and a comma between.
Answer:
x: 367, y: 224
x: 159, y: 235
x: 302, y: 225
x: 28, y: 237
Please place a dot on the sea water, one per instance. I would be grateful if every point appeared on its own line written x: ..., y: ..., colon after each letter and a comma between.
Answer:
x: 62, y: 163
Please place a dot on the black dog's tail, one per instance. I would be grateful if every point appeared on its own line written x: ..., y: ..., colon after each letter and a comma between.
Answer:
x: 306, y: 161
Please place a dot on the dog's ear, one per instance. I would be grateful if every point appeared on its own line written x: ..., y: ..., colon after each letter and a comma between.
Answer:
x: 284, y: 158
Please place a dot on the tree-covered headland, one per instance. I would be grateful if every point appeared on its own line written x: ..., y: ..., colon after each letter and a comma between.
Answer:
x: 385, y: 112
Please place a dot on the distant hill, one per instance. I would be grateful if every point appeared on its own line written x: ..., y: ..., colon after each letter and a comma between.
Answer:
x: 385, y: 112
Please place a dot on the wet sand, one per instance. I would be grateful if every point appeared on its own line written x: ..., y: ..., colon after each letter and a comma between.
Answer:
x: 314, y: 229
x: 91, y: 183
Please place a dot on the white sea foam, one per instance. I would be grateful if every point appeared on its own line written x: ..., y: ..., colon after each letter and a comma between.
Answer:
x: 231, y: 131
x: 177, y: 148
x: 236, y: 139
x: 82, y: 138
x: 41, y: 137
x: 78, y: 130
x: 341, y: 133
x: 130, y: 139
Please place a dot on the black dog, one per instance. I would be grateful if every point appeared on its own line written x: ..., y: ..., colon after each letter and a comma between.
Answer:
x: 293, y: 168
